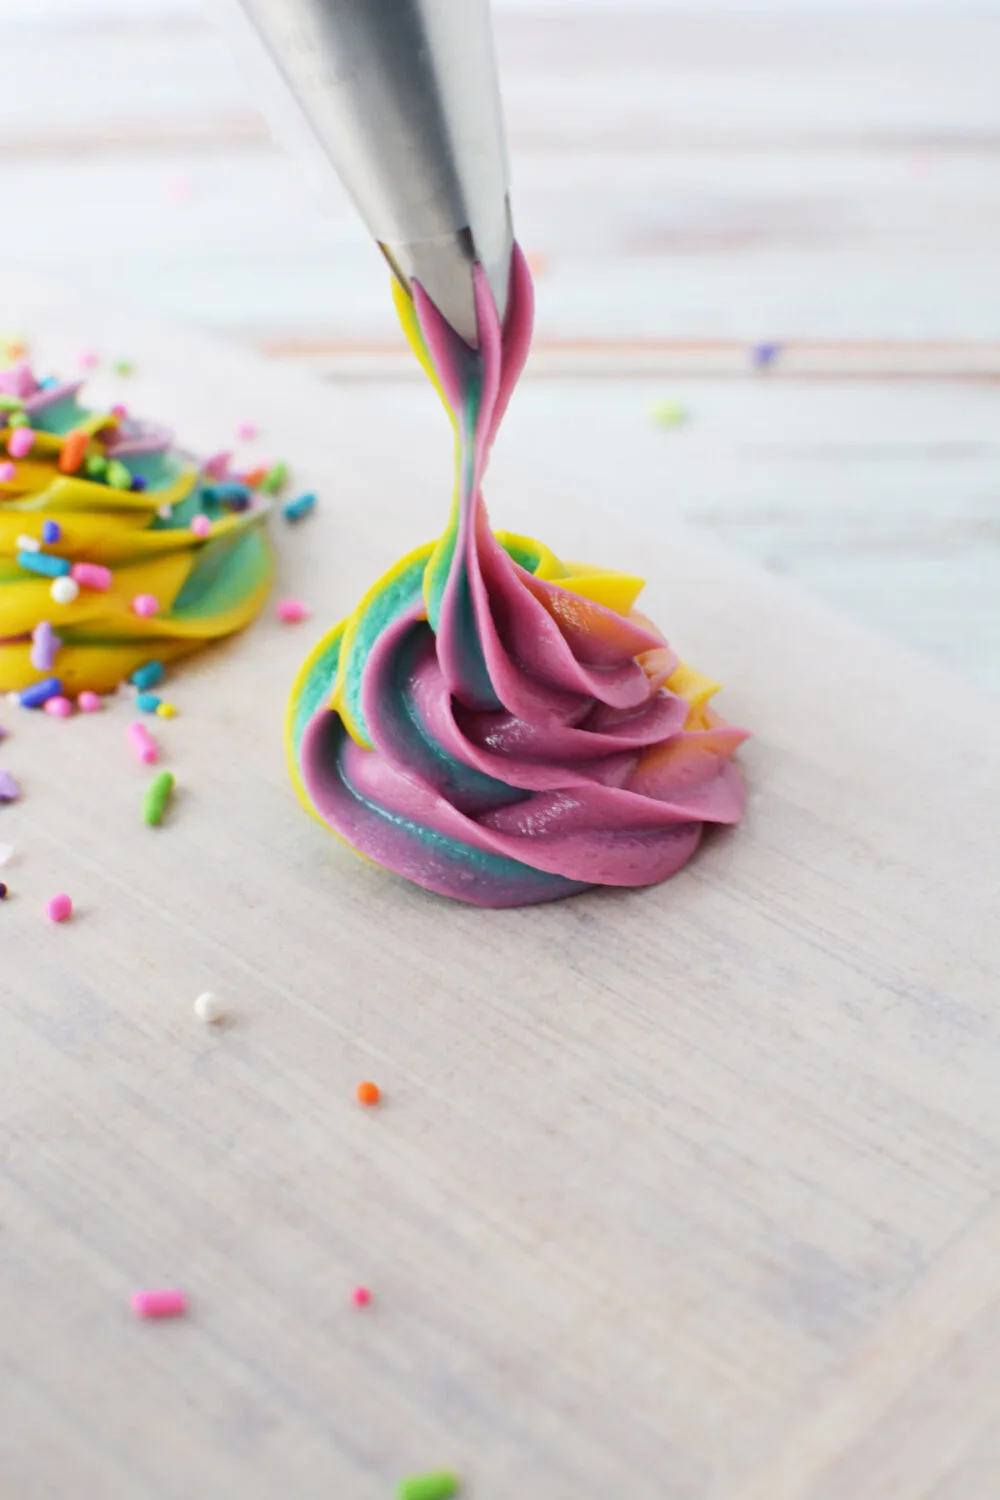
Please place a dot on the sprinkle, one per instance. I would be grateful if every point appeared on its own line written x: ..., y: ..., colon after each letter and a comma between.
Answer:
x: 59, y: 909
x: 765, y: 354
x: 233, y: 496
x: 147, y: 703
x: 246, y: 430
x: 40, y: 562
x: 40, y: 693
x: 166, y: 711
x: 201, y: 526
x: 119, y: 410
x: 58, y: 708
x: 91, y: 576
x: 3, y: 891
x: 274, y: 478
x: 291, y: 611
x: 95, y: 466
x: 6, y: 853
x: 148, y: 675
x: 441, y: 1485
x: 73, y: 452
x: 666, y: 413
x: 51, y: 532
x: 123, y: 367
x: 368, y: 1093
x: 138, y: 484
x: 145, y: 605
x: 10, y: 402
x: 18, y: 419
x: 118, y: 476
x: 164, y: 511
x: 89, y: 359
x: 8, y: 471
x: 64, y: 590
x: 89, y: 703
x: 208, y: 1008
x: 158, y: 1302
x: 296, y: 509
x: 158, y: 794
x: 28, y: 544
x: 361, y: 1296
x: 44, y: 647
x: 143, y: 743
x: 9, y: 789
x: 538, y: 262
x: 254, y: 478
x: 217, y: 467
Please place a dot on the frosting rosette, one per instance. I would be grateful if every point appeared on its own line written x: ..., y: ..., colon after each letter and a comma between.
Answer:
x: 116, y: 547
x: 492, y: 723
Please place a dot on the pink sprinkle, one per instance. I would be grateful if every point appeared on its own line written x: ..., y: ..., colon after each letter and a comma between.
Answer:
x: 217, y: 467
x: 59, y: 707
x: 201, y: 526
x: 361, y: 1296
x: 143, y: 743
x: 145, y: 605
x: 119, y: 410
x: 246, y: 430
x: 89, y: 703
x: 89, y: 359
x: 159, y: 1302
x: 291, y: 611
x: 59, y: 909
x: 20, y: 442
x: 7, y: 472
x: 91, y: 576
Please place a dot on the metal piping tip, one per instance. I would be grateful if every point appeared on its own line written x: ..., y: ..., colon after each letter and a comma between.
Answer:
x: 402, y: 96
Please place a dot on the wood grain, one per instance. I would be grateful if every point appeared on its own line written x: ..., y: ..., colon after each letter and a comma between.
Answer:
x: 687, y: 1194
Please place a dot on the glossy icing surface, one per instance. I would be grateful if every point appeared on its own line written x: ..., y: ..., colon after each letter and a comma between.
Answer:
x: 490, y: 722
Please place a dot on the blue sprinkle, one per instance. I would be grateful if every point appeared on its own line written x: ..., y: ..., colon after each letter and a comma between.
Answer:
x: 299, y: 507
x: 765, y: 354
x: 147, y: 703
x: 148, y: 675
x: 41, y: 692
x: 233, y: 496
x: 138, y: 483
x: 48, y: 381
x: 51, y: 531
x: 40, y: 562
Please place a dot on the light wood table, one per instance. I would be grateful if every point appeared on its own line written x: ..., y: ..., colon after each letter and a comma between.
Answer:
x: 687, y: 1194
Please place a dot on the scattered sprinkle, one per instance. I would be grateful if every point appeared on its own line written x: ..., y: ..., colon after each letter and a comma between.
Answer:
x: 89, y: 359
x: 368, y: 1092
x: 217, y: 467
x: 667, y: 413
x: 254, y: 478
x: 45, y: 646
x: 25, y: 543
x: 91, y: 576
x: 201, y: 526
x: 89, y: 703
x: 123, y: 367
x: 158, y: 794
x: 246, y: 431
x: 64, y: 590
x: 73, y: 452
x: 119, y: 410
x: 158, y: 1302
x: 58, y: 708
x: 143, y: 743
x: 40, y: 693
x: 441, y: 1485
x: 764, y: 355
x: 296, y: 509
x: 145, y: 605
x: 43, y: 563
x: 3, y: 891
x: 9, y: 789
x: 147, y: 703
x: 117, y: 475
x: 8, y: 471
x: 166, y: 711
x: 274, y: 478
x: 148, y: 675
x: 51, y: 532
x: 361, y: 1296
x: 208, y: 1008
x: 6, y: 853
x: 138, y: 483
x: 20, y: 442
x: 95, y: 466
x: 59, y: 908
x: 164, y: 511
x: 292, y: 611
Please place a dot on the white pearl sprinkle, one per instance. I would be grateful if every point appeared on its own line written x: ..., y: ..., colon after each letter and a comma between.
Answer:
x: 208, y: 1008
x: 64, y: 590
x: 165, y: 511
x: 6, y: 854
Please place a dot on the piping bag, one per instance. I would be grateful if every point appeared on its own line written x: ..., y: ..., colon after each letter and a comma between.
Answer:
x: 402, y: 98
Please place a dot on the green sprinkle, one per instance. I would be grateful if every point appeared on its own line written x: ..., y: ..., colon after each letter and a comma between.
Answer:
x: 95, y: 466
x: 158, y: 793
x: 118, y: 476
x: 18, y: 419
x: 440, y: 1485
x: 123, y: 367
x: 274, y: 478
x: 668, y: 413
x: 10, y: 403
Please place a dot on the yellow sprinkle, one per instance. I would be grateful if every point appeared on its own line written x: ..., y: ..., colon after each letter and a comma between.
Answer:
x: 166, y: 711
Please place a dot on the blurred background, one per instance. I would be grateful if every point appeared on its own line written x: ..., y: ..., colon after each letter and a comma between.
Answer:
x: 766, y: 242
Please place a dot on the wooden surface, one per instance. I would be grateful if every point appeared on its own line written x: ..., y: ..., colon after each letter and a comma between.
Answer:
x: 695, y: 179
x: 688, y: 1194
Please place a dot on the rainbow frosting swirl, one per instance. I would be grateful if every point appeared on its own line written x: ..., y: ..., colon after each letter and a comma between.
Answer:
x: 490, y: 722
x: 120, y: 500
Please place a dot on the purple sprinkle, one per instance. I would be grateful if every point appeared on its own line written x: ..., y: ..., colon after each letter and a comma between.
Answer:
x: 9, y: 789
x: 40, y: 692
x: 44, y: 647
x: 138, y: 483
x: 51, y: 531
x: 765, y: 354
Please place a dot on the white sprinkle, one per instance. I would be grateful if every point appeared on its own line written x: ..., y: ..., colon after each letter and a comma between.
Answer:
x: 28, y: 544
x: 14, y: 699
x: 6, y: 854
x: 165, y: 511
x: 208, y: 1008
x: 64, y: 590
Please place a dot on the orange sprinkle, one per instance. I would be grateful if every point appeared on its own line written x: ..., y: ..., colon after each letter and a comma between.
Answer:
x: 368, y: 1093
x: 73, y: 449
x: 255, y: 478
